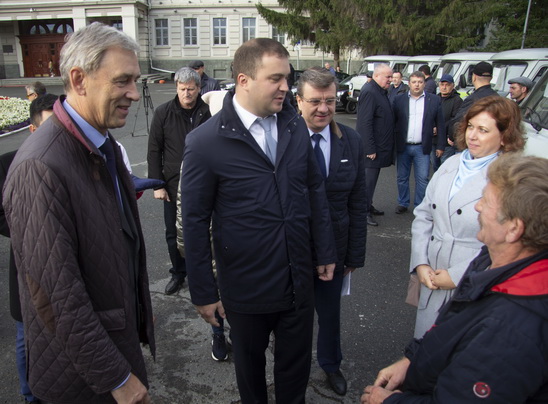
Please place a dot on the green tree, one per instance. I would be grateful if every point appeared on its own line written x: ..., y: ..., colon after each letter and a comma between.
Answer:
x: 317, y: 21
x: 509, y: 19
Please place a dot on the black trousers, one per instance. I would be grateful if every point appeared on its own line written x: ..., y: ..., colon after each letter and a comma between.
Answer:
x: 292, y: 353
x: 371, y: 178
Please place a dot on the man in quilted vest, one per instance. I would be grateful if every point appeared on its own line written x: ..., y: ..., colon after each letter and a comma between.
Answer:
x: 76, y: 236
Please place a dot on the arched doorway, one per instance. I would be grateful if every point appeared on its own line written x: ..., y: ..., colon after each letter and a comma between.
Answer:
x: 41, y: 44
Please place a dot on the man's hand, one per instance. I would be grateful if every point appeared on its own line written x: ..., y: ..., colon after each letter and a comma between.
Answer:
x: 375, y: 395
x: 393, y: 376
x: 325, y: 272
x: 425, y: 273
x: 161, y: 194
x: 439, y: 153
x: 442, y: 280
x: 132, y: 392
x: 372, y: 156
x: 450, y: 142
x: 208, y: 312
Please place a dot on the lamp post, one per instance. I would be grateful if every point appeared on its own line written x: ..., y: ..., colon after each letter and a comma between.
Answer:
x: 525, y: 25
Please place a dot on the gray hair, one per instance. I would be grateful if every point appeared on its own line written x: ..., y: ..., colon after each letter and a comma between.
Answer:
x: 381, y: 67
x: 37, y: 88
x: 317, y: 77
x: 186, y: 74
x: 86, y: 48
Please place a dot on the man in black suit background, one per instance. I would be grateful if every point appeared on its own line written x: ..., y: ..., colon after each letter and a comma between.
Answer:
x: 376, y: 127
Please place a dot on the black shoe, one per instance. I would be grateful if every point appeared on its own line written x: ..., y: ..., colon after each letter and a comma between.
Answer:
x: 376, y: 212
x: 219, y: 351
x: 401, y: 209
x: 174, y: 285
x: 371, y: 221
x: 337, y: 382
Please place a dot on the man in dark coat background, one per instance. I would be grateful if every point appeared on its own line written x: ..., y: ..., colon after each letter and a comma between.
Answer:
x: 171, y: 123
x: 251, y: 172
x: 481, y: 79
x: 376, y: 127
x: 207, y: 83
x: 342, y: 157
x: 450, y: 105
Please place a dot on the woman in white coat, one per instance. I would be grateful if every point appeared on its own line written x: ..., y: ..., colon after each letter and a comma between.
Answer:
x: 445, y: 226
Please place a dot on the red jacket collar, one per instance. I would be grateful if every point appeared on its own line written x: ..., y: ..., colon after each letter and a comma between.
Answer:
x: 530, y: 281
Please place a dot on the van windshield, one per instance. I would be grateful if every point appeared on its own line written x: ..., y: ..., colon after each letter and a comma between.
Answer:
x: 370, y: 66
x: 448, y: 68
x: 504, y: 71
x: 536, y: 105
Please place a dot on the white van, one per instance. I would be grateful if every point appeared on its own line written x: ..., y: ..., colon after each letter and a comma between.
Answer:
x: 396, y: 63
x: 535, y: 115
x: 414, y: 62
x: 460, y: 65
x: 530, y: 63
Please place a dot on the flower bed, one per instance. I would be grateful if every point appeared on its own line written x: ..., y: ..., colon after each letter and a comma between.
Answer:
x: 14, y: 114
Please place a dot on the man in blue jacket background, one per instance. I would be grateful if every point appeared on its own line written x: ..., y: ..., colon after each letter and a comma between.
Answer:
x: 251, y: 171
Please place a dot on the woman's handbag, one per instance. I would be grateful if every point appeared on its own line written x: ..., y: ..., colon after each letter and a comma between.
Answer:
x: 413, y: 290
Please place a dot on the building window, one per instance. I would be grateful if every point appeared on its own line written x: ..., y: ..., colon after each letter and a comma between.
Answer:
x: 278, y: 35
x: 191, y: 31
x: 117, y: 24
x: 219, y: 31
x: 162, y: 34
x: 248, y: 25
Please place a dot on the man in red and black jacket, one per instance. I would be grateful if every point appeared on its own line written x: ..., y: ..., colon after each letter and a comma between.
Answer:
x: 489, y: 341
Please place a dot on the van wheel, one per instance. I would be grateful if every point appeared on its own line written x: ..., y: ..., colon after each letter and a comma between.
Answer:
x: 351, y: 107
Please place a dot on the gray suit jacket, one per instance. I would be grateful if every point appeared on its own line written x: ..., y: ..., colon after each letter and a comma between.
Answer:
x: 449, y: 244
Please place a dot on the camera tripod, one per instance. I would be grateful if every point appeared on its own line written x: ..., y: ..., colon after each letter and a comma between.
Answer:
x: 147, y: 103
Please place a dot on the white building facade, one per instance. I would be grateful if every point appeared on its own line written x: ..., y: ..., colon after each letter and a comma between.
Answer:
x: 171, y: 33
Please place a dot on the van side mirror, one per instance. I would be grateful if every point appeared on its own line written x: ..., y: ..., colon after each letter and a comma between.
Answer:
x: 462, y: 81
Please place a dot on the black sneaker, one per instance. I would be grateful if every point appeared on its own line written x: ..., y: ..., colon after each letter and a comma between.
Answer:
x: 218, y: 348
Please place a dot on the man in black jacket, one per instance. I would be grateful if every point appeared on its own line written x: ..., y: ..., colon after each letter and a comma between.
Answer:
x: 171, y: 123
x: 342, y: 160
x: 250, y: 171
x: 376, y: 127
x: 397, y: 86
x: 489, y: 341
x: 481, y: 78
x: 207, y: 83
x: 450, y: 104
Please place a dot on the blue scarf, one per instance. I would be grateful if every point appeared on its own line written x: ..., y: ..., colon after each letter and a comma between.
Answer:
x: 468, y: 167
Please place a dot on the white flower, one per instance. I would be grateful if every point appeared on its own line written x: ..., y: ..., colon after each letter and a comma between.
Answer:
x: 13, y: 111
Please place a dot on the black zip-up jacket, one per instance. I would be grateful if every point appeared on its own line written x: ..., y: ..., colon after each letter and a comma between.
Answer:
x: 450, y: 106
x: 166, y: 142
x: 489, y: 343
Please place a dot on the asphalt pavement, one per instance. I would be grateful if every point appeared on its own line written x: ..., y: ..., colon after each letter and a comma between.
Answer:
x: 376, y: 323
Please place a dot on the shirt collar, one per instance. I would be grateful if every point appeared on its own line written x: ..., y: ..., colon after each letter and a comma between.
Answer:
x: 96, y: 137
x: 420, y: 96
x: 247, y: 117
x: 324, y: 132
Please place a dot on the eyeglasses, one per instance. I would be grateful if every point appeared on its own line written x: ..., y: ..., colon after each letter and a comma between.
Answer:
x: 315, y: 102
x: 30, y: 95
